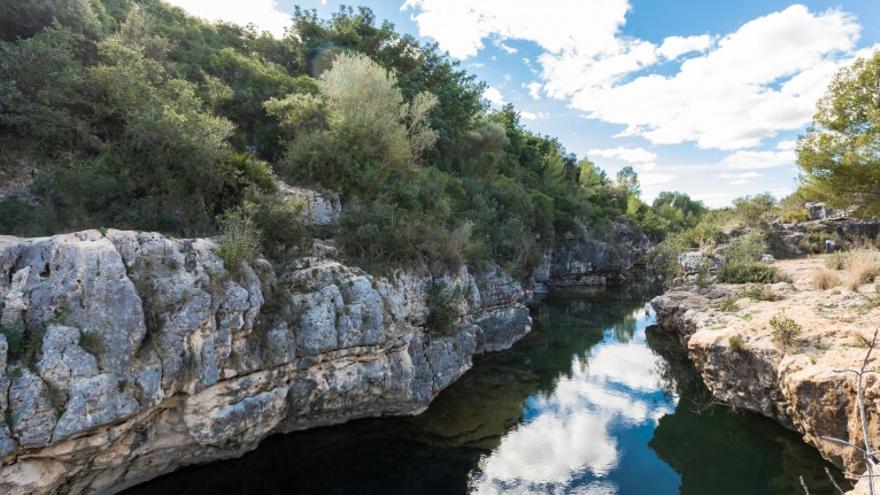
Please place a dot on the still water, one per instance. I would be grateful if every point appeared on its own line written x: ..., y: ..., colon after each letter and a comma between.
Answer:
x: 594, y: 401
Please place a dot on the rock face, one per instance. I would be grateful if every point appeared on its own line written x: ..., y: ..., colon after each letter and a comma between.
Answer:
x: 318, y: 208
x: 799, y: 385
x: 614, y: 253
x: 127, y: 355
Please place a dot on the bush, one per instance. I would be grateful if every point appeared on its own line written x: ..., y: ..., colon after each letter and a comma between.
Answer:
x: 743, y: 273
x: 746, y: 248
x: 837, y: 261
x: 441, y: 301
x: 760, y: 293
x: 824, y: 279
x: 785, y: 330
x: 280, y: 221
x: 240, y: 238
x: 736, y: 342
x: 728, y: 305
x: 862, y: 268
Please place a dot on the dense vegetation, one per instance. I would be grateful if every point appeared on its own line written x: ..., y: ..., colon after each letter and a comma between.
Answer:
x: 840, y: 153
x: 131, y: 114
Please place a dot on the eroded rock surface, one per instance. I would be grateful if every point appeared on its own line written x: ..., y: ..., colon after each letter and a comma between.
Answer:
x: 136, y: 354
x: 799, y: 385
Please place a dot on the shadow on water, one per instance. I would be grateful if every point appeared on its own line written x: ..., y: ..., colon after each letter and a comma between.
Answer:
x: 594, y: 400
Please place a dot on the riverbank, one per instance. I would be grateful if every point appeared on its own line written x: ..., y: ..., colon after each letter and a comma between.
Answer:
x: 797, y: 381
x: 125, y: 355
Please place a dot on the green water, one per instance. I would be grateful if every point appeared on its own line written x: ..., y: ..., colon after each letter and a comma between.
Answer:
x: 594, y: 401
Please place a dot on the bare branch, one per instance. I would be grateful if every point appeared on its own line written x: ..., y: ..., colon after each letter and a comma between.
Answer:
x: 804, y: 486
x: 834, y: 482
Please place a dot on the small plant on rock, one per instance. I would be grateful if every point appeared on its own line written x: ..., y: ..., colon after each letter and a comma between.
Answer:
x: 91, y: 342
x: 240, y: 238
x: 441, y: 302
x: 736, y: 342
x: 728, y: 305
x: 744, y: 273
x: 785, y: 330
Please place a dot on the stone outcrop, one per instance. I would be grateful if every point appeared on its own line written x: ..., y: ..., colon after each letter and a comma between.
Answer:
x: 616, y: 252
x: 129, y: 354
x: 318, y: 209
x: 800, y: 385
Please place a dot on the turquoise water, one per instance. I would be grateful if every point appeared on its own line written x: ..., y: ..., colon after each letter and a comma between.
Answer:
x: 594, y: 401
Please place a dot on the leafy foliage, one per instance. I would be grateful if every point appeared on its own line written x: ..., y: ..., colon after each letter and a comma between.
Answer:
x: 744, y: 273
x: 785, y: 330
x: 140, y: 116
x: 441, y: 302
x: 840, y: 153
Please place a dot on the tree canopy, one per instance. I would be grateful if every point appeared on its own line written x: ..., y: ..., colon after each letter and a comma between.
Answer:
x: 840, y: 153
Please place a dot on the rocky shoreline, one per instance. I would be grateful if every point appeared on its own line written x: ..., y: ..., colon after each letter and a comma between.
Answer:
x: 730, y: 341
x: 150, y: 355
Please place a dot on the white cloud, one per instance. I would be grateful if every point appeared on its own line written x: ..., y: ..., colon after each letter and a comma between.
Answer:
x: 493, y: 96
x: 747, y: 159
x: 460, y: 26
x: 675, y: 46
x: 743, y: 175
x: 762, y: 79
x: 787, y: 145
x: 507, y: 48
x: 534, y: 90
x: 630, y: 155
x: 743, y: 87
x: 533, y: 115
x: 264, y: 14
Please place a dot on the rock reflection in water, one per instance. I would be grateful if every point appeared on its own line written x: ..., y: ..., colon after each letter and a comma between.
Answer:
x: 591, y: 402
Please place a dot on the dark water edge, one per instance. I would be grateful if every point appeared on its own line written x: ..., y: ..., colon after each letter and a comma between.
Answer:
x: 594, y: 401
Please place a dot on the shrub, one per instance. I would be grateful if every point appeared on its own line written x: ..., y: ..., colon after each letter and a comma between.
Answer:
x: 728, y: 305
x: 785, y: 330
x: 280, y: 221
x: 441, y: 301
x: 760, y: 293
x: 824, y: 279
x: 23, y: 345
x: 742, y: 273
x: 91, y: 342
x: 240, y: 237
x: 746, y: 248
x: 862, y: 267
x: 736, y: 342
x: 837, y: 261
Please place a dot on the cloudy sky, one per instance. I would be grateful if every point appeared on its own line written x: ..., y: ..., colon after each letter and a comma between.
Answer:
x: 702, y: 97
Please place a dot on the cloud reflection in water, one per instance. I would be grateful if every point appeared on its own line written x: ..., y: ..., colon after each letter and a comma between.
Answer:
x: 569, y: 443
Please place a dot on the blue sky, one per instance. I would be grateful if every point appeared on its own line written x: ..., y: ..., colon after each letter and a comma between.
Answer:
x: 701, y: 97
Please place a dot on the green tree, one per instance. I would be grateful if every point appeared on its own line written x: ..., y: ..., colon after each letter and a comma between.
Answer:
x: 840, y: 153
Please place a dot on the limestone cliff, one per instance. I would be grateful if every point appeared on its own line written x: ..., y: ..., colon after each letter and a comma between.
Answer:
x: 125, y: 355
x: 800, y: 385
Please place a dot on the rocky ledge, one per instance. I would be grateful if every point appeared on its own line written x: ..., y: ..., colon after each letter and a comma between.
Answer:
x: 125, y: 355
x: 800, y: 385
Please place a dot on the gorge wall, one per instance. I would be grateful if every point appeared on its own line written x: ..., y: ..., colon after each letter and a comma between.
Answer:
x: 144, y: 353
x: 801, y: 385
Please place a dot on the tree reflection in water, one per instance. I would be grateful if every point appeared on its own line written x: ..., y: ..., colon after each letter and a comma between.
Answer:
x: 592, y: 401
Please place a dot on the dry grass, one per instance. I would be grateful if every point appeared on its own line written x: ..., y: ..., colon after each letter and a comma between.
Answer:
x: 824, y: 279
x: 862, y: 267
